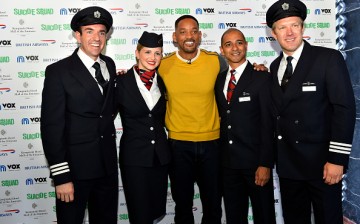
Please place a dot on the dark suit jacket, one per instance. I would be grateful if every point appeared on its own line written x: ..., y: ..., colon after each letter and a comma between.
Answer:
x: 144, y: 135
x: 247, y: 121
x: 77, y: 122
x: 316, y: 112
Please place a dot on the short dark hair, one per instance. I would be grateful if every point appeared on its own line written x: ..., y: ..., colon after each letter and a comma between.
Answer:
x: 185, y: 17
x: 228, y: 31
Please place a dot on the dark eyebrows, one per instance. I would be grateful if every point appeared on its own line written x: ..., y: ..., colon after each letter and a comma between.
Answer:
x: 238, y: 40
x: 91, y: 29
x: 192, y: 29
x: 88, y: 28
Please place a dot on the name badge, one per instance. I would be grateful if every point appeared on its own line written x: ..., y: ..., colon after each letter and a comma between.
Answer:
x: 244, y: 99
x: 309, y: 88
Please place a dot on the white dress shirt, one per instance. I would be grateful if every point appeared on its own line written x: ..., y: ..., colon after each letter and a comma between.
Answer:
x: 294, y: 61
x: 89, y: 62
x: 238, y: 72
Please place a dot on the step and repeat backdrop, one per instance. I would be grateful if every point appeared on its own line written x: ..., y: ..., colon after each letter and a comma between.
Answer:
x: 36, y: 33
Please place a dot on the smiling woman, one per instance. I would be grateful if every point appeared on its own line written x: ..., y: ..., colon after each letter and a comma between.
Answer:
x: 144, y: 155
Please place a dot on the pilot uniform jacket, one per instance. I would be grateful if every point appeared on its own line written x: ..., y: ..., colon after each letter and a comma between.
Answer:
x: 144, y: 139
x: 246, y: 126
x: 77, y: 122
x: 315, y: 116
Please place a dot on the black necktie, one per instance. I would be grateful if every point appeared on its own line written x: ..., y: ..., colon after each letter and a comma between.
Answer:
x: 288, y: 73
x: 99, y: 77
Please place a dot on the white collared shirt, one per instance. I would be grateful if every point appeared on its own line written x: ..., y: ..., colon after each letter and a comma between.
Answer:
x: 238, y: 72
x: 89, y: 62
x: 294, y: 61
x: 151, y: 96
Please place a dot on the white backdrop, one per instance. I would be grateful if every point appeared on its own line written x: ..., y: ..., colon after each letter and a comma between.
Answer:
x: 36, y: 33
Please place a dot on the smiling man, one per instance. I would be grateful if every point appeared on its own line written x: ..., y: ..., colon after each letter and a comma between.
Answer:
x: 246, y: 132
x: 192, y: 120
x: 77, y: 125
x: 315, y: 118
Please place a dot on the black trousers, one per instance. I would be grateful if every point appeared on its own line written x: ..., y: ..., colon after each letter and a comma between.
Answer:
x: 195, y: 162
x: 297, y: 196
x: 99, y: 195
x: 238, y: 186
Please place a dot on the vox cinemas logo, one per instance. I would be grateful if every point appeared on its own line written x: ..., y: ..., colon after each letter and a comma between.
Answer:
x: 7, y: 106
x: 10, y: 167
x: 134, y: 41
x: 31, y: 120
x: 227, y: 25
x: 69, y: 11
x: 30, y: 58
x: 5, y: 43
x: 266, y: 39
x: 205, y: 11
x: 322, y: 11
x: 36, y: 180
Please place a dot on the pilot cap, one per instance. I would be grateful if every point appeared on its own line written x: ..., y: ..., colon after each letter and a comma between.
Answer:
x: 285, y: 8
x: 91, y: 15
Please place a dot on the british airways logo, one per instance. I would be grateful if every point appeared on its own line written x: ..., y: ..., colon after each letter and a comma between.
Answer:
x: 245, y: 9
x: 142, y: 24
x: 117, y: 9
x: 9, y: 212
x: 49, y: 41
x: 4, y: 90
x: 5, y: 152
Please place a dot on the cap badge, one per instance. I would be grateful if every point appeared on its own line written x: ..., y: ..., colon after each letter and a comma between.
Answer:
x: 285, y: 6
x: 97, y: 14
